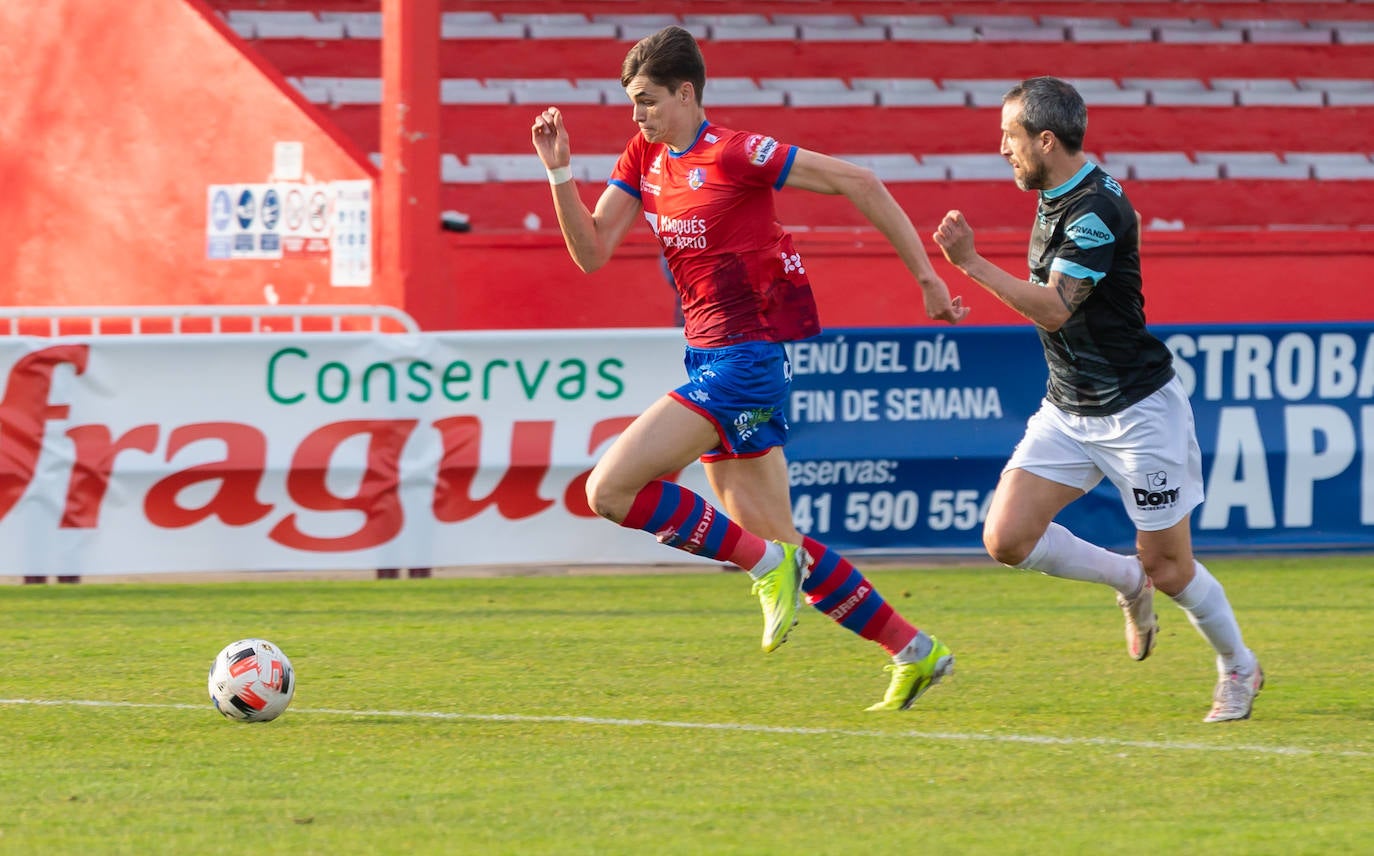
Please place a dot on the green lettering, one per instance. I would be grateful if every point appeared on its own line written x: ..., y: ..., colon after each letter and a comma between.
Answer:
x: 272, y: 376
x: 617, y: 385
x: 573, y: 385
x: 413, y: 373
x: 530, y: 388
x: 455, y: 373
x: 344, y: 379
x: 389, y: 371
x: 486, y: 376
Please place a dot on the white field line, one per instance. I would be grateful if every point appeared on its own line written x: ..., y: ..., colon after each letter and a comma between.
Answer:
x: 1031, y: 739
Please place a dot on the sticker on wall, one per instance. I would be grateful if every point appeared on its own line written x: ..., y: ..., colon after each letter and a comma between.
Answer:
x: 351, y: 243
x: 243, y: 221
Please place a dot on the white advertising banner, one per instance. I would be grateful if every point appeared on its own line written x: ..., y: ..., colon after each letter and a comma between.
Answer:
x: 349, y: 451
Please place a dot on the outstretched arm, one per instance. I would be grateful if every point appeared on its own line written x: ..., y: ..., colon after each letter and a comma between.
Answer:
x: 591, y: 236
x: 822, y: 174
x: 1048, y: 306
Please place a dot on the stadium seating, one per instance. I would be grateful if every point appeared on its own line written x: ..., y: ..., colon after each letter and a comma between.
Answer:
x: 1237, y: 97
x: 1241, y: 126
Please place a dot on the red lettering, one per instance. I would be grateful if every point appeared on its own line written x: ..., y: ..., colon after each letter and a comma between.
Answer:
x: 575, y: 496
x: 23, y: 412
x: 516, y: 495
x: 378, y: 497
x: 239, y: 473
x: 95, y: 459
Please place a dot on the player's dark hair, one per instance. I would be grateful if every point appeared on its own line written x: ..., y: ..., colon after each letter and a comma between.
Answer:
x: 1050, y: 104
x: 668, y: 58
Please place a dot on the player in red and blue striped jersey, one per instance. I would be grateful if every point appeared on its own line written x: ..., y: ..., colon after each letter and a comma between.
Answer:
x: 707, y: 193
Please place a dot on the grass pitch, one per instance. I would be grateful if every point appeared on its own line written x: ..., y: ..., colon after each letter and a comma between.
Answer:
x: 636, y: 715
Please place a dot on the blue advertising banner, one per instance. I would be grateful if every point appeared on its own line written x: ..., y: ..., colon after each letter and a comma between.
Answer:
x: 899, y: 436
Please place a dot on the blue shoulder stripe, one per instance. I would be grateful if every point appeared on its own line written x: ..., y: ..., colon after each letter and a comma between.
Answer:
x: 1077, y: 271
x: 786, y: 168
x: 633, y: 191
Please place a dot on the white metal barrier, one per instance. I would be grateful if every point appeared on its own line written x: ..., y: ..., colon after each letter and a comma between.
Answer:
x: 136, y: 317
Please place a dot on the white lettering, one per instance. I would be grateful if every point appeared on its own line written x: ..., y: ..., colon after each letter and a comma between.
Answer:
x: 879, y: 357
x: 919, y: 403
x: 1366, y: 386
x: 1308, y: 461
x: 1295, y: 366
x: 681, y: 226
x: 936, y: 355
x: 819, y: 357
x: 1240, y: 475
x: 859, y: 405
x: 810, y: 473
x: 812, y: 405
x: 1253, y: 354
x: 1183, y: 347
x: 1336, y: 366
x: 1213, y: 350
x: 1367, y: 473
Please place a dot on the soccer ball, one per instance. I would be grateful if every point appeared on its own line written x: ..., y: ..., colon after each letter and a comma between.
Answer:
x: 251, y: 681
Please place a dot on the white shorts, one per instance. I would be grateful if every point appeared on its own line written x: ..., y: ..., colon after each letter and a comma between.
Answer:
x: 1149, y: 451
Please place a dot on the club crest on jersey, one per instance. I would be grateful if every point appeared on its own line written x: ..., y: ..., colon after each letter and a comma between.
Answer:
x: 760, y: 149
x: 696, y: 177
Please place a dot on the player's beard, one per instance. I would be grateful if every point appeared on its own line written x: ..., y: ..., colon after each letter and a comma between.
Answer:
x: 1033, y: 174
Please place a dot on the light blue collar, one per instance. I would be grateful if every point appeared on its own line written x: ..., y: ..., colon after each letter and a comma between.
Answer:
x: 1070, y: 184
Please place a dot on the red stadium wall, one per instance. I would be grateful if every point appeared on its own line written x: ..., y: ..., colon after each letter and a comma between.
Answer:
x: 528, y: 281
x: 118, y: 115
x: 115, y: 118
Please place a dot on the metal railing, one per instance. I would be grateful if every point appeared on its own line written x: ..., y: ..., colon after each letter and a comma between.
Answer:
x: 328, y: 318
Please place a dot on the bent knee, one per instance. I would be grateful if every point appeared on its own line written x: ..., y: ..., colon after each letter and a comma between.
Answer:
x: 606, y: 500
x: 1170, y: 576
x: 1008, y: 548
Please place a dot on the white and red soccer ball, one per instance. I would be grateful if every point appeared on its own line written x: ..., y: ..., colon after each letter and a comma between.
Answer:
x: 251, y: 680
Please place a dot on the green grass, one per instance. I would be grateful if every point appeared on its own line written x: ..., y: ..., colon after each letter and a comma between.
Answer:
x: 565, y: 715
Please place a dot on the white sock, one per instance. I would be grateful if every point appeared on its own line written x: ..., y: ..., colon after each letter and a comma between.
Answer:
x: 1060, y: 553
x: 1204, y: 601
x: 772, y: 557
x: 916, y: 650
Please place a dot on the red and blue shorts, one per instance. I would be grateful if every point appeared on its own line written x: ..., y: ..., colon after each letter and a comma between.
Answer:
x: 743, y: 390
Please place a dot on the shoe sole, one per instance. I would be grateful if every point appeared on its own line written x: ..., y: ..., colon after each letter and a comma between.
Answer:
x: 1150, y: 640
x: 943, y: 668
x: 785, y: 635
x: 1150, y: 636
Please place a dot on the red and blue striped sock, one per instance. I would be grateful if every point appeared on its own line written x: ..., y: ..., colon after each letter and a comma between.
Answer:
x: 838, y: 589
x: 680, y: 518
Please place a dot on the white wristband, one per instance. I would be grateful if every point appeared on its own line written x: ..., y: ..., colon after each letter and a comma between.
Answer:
x: 560, y: 175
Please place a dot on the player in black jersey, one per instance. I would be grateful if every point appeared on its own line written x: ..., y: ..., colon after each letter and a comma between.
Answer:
x: 1113, y: 405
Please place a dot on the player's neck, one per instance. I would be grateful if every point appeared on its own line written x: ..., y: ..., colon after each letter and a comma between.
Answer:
x: 683, y: 139
x: 1064, y: 169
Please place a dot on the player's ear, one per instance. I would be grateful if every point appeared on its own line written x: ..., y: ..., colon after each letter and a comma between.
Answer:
x: 685, y: 92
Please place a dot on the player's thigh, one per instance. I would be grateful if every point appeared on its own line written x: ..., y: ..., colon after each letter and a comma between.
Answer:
x: 1021, y: 510
x: 1048, y: 469
x: 663, y: 439
x: 755, y: 493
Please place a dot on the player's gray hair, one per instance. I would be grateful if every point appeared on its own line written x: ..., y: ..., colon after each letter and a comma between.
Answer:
x: 1050, y: 104
x: 668, y: 58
